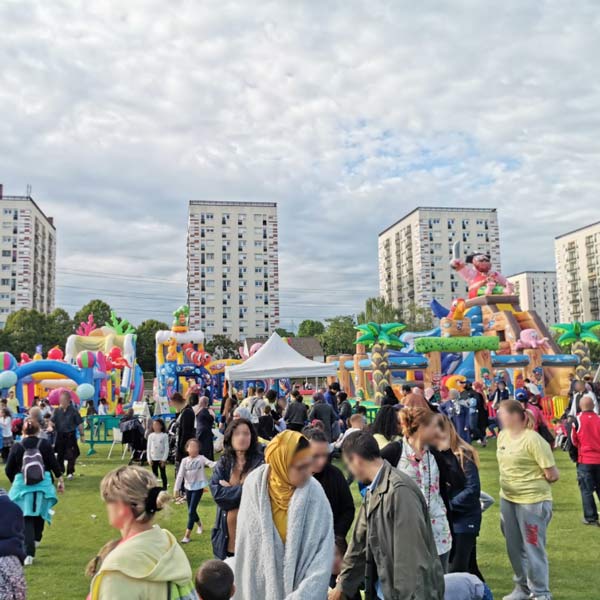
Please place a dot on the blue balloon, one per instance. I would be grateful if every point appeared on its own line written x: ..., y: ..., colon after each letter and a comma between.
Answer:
x: 7, y: 379
x: 85, y: 391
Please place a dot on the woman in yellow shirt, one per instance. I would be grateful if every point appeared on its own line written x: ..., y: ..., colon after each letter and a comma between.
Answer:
x: 527, y: 469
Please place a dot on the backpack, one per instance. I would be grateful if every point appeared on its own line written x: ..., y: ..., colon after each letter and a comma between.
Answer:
x: 568, y: 446
x: 32, y: 467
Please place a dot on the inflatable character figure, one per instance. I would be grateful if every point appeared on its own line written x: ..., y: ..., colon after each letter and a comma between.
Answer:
x: 172, y: 349
x: 477, y: 272
x: 531, y: 339
x: 181, y: 317
x: 116, y: 360
x: 197, y: 357
x: 457, y: 309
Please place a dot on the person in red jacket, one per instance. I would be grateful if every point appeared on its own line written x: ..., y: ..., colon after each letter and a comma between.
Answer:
x: 585, y: 435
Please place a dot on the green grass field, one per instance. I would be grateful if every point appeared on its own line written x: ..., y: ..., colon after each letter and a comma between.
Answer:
x: 80, y: 529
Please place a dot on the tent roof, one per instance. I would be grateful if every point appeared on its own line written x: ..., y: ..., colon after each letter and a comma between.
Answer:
x: 276, y: 360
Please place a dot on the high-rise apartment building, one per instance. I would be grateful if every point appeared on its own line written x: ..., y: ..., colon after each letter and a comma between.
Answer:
x: 233, y: 269
x: 577, y: 255
x: 28, y: 256
x: 415, y: 253
x: 537, y: 291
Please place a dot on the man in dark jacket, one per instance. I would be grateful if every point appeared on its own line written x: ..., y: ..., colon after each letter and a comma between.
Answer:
x: 392, y: 548
x: 585, y: 435
x: 205, y: 419
x: 296, y: 414
x: 186, y: 426
x: 331, y: 397
x: 67, y: 421
x: 332, y: 481
x: 323, y: 412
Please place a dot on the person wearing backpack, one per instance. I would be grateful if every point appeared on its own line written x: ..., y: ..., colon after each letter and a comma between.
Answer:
x: 30, y: 466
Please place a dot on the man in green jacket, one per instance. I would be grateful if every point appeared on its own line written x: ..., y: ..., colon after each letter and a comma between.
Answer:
x: 392, y: 549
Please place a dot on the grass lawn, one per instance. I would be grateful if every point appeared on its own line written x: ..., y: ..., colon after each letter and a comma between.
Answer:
x: 80, y: 529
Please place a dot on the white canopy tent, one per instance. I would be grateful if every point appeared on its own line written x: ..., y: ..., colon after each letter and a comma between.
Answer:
x: 278, y: 360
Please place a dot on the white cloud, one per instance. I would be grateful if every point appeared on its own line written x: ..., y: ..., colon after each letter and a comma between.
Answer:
x: 348, y: 114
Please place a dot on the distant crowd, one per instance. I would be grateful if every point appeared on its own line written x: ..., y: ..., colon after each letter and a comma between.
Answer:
x: 285, y: 524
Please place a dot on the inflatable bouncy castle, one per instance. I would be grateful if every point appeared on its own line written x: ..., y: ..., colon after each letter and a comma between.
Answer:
x: 182, y: 364
x: 485, y: 337
x: 98, y: 362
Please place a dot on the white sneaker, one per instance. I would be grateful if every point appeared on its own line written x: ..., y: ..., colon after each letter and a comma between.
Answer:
x: 70, y: 477
x: 518, y: 594
x: 199, y: 529
x: 28, y: 561
x: 546, y: 597
x: 185, y: 540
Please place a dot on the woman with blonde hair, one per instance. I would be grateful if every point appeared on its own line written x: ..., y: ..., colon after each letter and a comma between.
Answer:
x: 147, y: 562
x: 527, y: 468
x: 465, y: 504
x: 416, y: 456
x: 285, y: 524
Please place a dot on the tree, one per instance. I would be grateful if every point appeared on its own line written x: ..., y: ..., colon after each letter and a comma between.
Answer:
x: 339, y: 335
x: 220, y: 346
x: 379, y: 338
x: 579, y: 336
x: 417, y: 318
x: 100, y: 309
x: 378, y: 310
x: 59, y: 327
x: 26, y: 328
x: 308, y: 328
x: 146, y: 343
x: 281, y: 332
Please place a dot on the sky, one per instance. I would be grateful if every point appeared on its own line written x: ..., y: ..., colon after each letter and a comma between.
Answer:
x: 347, y: 113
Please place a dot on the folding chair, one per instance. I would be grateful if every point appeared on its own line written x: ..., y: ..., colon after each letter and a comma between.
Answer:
x: 117, y: 439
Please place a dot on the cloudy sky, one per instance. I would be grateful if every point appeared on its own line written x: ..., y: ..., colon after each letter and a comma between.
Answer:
x: 347, y: 113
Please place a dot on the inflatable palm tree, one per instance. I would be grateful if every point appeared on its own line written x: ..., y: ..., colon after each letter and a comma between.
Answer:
x: 579, y: 336
x: 379, y: 338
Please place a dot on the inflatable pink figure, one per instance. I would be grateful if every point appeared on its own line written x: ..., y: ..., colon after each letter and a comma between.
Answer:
x: 530, y: 339
x: 54, y: 396
x: 253, y: 350
x: 477, y: 272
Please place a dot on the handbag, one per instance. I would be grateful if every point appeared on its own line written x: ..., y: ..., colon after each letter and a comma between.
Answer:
x: 546, y: 434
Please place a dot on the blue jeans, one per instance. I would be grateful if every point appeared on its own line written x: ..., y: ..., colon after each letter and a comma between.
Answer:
x: 193, y: 499
x: 588, y: 477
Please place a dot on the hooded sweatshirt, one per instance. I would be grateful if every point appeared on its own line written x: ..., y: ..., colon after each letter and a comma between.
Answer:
x: 143, y: 568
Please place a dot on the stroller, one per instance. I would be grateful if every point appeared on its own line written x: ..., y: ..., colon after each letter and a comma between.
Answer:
x: 134, y: 436
x: 172, y: 433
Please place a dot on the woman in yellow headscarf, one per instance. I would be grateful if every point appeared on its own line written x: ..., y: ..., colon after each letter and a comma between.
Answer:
x: 290, y: 458
x: 285, y: 524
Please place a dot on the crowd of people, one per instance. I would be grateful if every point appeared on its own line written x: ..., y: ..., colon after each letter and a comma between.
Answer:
x: 286, y: 525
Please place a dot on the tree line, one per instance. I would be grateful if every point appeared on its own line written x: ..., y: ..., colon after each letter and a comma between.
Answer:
x: 26, y: 329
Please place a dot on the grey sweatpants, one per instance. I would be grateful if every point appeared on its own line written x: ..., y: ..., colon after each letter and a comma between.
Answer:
x: 524, y: 527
